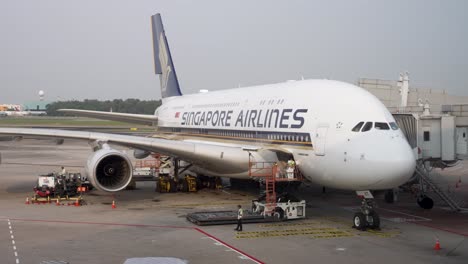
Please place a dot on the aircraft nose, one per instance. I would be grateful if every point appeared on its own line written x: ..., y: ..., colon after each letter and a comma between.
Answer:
x: 398, y: 165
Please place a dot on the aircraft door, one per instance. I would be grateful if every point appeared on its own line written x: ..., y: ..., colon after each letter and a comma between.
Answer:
x: 320, y: 140
x: 462, y: 140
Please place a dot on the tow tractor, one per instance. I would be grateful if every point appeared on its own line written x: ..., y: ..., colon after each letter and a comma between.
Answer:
x: 287, y: 207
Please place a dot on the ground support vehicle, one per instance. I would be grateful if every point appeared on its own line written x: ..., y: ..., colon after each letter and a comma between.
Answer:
x: 283, y: 210
x: 55, y: 185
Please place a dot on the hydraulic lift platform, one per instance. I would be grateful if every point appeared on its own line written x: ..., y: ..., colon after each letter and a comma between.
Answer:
x: 225, y: 218
x: 259, y: 214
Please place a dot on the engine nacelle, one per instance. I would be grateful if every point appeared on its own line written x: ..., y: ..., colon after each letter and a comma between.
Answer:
x: 140, y: 154
x: 109, y: 170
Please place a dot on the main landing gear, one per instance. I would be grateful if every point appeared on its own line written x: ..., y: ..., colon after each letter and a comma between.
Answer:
x: 367, y: 217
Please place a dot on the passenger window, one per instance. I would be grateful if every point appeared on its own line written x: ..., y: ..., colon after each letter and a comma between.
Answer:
x: 358, y: 127
x: 427, y: 136
x: 367, y: 127
x: 393, y: 125
x: 381, y: 126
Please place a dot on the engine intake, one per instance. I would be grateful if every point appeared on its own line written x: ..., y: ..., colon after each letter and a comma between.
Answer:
x: 109, y: 170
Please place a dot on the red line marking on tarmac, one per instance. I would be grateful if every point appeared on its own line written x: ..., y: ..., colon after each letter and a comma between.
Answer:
x: 229, y: 246
x: 143, y: 225
x: 441, y: 228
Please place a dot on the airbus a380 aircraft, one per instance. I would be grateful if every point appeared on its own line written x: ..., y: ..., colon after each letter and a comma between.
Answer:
x: 340, y: 135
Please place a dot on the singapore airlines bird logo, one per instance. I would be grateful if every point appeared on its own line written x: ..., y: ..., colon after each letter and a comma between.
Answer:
x: 164, y: 60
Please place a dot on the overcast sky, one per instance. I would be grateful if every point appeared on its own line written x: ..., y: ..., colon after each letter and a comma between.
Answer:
x: 103, y: 49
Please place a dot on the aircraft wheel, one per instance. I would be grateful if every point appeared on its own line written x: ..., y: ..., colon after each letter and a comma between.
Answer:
x: 173, y: 186
x: 185, y: 187
x: 278, y: 214
x: 389, y: 196
x: 425, y: 202
x: 359, y: 221
x: 374, y: 222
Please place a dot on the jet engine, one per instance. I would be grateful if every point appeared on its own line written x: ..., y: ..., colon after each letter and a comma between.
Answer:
x: 109, y: 170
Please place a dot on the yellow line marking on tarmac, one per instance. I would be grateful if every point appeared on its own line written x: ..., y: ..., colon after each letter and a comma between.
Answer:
x: 292, y: 224
x: 372, y: 232
x: 288, y: 230
x: 332, y: 235
x: 315, y: 229
x: 318, y: 232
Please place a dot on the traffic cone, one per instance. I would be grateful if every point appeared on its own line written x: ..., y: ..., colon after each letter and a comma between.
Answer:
x: 27, y: 200
x: 437, y: 245
x: 57, y: 203
x: 113, y: 204
x: 77, y: 203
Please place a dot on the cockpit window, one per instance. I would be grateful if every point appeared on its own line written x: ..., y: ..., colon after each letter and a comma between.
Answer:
x: 381, y: 126
x: 393, y: 125
x: 367, y: 127
x: 358, y: 127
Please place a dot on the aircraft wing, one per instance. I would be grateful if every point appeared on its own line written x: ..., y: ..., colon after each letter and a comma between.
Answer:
x: 164, y: 146
x: 124, y: 117
x: 220, y: 157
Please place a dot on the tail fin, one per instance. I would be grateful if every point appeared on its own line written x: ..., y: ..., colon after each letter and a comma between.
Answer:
x: 163, y: 61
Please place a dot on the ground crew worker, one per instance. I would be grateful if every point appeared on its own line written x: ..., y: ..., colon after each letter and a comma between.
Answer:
x: 276, y: 170
x: 64, y: 171
x: 281, y: 168
x: 240, y: 215
x: 290, y: 169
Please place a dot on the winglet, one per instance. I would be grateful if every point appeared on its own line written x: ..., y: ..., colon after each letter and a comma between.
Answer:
x: 163, y: 61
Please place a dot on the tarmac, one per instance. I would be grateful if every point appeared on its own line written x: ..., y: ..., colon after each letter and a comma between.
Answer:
x: 149, y: 227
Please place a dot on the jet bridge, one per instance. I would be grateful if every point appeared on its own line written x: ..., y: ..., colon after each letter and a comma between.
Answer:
x: 438, y: 140
x: 441, y: 136
x: 430, y: 136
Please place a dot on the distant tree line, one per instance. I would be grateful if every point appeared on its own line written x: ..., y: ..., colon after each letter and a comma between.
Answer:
x: 132, y: 106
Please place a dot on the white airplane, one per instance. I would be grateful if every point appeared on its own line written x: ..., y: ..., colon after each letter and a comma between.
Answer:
x: 340, y: 135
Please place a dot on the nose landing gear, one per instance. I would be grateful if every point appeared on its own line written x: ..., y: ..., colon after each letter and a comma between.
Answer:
x: 367, y: 217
